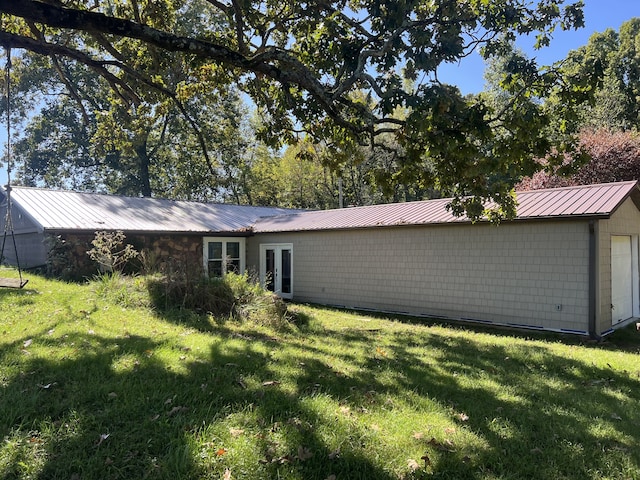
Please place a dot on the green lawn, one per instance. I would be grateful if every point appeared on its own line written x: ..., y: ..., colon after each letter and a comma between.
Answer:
x: 92, y: 390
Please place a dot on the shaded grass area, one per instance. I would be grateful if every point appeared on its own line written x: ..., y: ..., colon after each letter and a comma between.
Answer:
x: 92, y: 389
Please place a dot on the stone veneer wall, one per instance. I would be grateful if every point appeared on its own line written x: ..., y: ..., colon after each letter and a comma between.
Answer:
x: 161, y: 250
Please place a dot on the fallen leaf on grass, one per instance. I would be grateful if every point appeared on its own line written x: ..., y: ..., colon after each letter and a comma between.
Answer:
x: 227, y: 475
x: 280, y: 460
x: 241, y: 383
x: 335, y: 454
x: 418, y: 435
x: 445, y: 446
x: 304, y: 454
x: 108, y: 461
x: 176, y: 410
x: 270, y: 383
x: 112, y: 395
x: 220, y: 452
x: 463, y: 417
x: 103, y: 437
x: 236, y: 432
x: 48, y: 385
x: 27, y: 343
x: 331, y: 477
x: 449, y: 430
x: 413, y: 465
x: 300, y: 425
x: 345, y: 410
x: 615, y: 416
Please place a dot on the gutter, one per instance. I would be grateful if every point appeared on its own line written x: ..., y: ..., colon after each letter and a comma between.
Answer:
x: 593, y: 329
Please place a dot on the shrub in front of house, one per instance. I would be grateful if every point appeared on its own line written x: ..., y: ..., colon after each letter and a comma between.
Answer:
x: 235, y: 296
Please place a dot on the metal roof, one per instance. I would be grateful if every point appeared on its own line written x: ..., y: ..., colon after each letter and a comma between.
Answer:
x: 65, y: 210
x: 594, y: 201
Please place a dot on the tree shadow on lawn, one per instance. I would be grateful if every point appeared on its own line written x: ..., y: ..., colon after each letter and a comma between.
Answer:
x: 549, y: 412
x: 115, y: 409
x: 537, y: 414
x: 23, y: 296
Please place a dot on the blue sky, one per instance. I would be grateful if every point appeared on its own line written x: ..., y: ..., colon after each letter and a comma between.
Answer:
x: 468, y: 75
x: 598, y: 16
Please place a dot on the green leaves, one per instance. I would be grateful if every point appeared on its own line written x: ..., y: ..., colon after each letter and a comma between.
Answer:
x: 303, y: 65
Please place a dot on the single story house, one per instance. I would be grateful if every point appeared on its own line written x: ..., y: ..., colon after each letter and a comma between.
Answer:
x: 568, y: 262
x: 44, y: 219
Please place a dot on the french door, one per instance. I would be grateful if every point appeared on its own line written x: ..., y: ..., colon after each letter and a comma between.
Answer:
x: 276, y: 268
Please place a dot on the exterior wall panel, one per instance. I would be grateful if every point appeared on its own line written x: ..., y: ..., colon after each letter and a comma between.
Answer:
x: 29, y: 240
x: 31, y: 250
x: 533, y: 274
x: 624, y: 221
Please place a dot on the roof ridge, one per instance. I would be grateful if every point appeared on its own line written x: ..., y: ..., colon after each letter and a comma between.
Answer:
x: 578, y: 187
x: 448, y: 199
x: 110, y: 195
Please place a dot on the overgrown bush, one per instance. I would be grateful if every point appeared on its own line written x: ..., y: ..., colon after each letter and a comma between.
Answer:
x: 61, y: 259
x: 235, y: 296
x: 201, y: 295
x: 255, y: 304
x: 126, y: 291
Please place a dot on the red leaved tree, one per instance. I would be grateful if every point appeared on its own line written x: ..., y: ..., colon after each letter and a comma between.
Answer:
x: 615, y: 157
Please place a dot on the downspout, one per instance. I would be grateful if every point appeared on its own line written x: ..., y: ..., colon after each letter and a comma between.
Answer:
x: 593, y: 257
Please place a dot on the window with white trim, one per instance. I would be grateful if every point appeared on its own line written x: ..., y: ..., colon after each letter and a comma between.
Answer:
x: 222, y: 255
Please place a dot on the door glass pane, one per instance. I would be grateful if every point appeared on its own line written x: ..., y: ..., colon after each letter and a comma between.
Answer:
x: 270, y: 270
x: 286, y: 271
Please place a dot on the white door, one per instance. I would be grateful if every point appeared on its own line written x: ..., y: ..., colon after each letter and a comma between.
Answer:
x: 276, y: 268
x: 621, y: 279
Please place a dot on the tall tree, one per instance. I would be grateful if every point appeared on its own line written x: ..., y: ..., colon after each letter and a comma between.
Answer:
x: 302, y: 62
x: 614, y: 58
x: 93, y: 140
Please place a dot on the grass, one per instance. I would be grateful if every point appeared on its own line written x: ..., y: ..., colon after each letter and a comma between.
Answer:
x: 93, y: 387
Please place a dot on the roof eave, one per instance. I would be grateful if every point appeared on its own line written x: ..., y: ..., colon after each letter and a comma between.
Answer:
x: 203, y: 233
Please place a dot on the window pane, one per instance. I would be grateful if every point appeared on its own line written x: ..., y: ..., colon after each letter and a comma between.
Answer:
x: 233, y: 266
x: 215, y: 250
x: 215, y: 268
x: 233, y: 249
